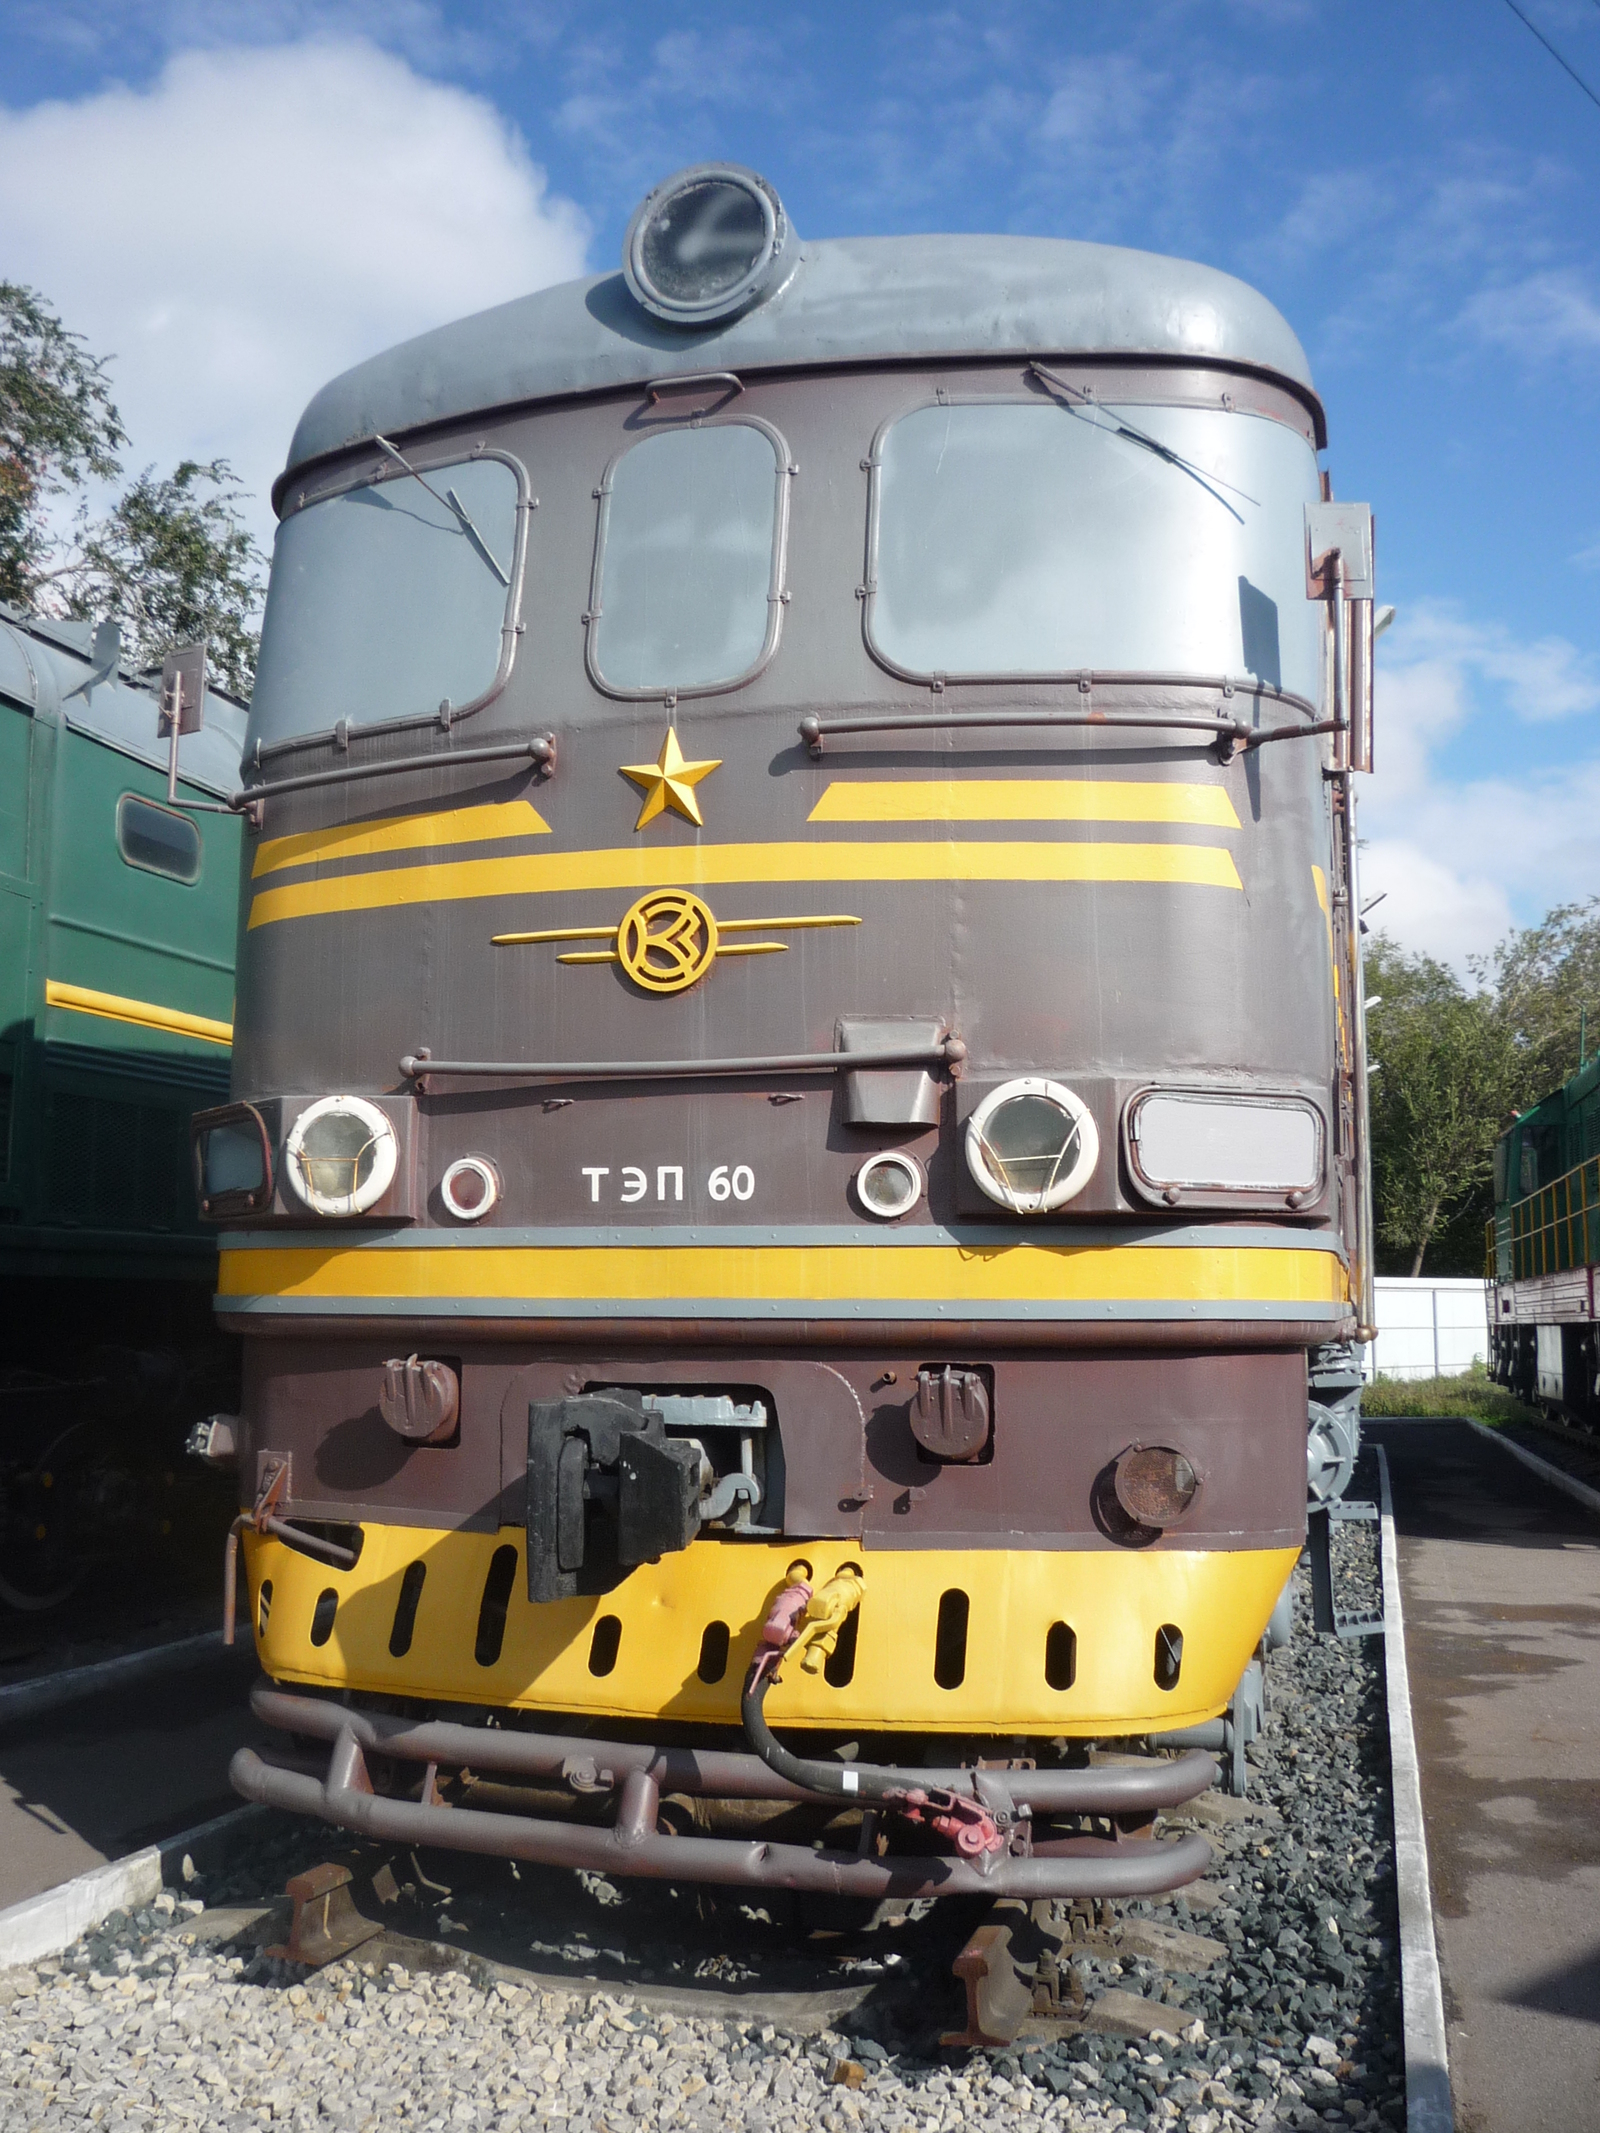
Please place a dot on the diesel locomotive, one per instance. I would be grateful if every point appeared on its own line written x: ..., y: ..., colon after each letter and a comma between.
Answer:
x: 795, y: 1188
x: 118, y: 905
x: 1543, y: 1249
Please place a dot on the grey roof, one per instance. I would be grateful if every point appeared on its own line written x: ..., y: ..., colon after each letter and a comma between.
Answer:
x: 42, y: 661
x: 854, y: 299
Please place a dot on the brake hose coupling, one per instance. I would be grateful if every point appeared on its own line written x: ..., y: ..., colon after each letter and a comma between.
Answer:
x: 806, y: 1620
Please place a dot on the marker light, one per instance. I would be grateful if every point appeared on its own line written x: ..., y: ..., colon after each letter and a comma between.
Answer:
x: 341, y: 1155
x: 1155, y: 1485
x: 470, y: 1187
x: 888, y: 1185
x: 1032, y: 1145
x: 707, y: 244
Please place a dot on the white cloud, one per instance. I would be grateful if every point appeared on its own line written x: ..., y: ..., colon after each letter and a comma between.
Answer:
x: 1458, y: 861
x: 1544, y: 315
x: 259, y: 219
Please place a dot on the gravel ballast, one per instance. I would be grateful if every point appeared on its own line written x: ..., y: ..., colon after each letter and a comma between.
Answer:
x: 150, y: 2022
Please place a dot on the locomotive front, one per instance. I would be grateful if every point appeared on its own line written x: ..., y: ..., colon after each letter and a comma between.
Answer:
x: 797, y: 1058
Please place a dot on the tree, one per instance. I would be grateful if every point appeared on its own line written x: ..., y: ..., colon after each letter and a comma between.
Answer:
x: 1448, y: 1072
x: 58, y: 428
x: 172, y: 563
x: 1547, y: 980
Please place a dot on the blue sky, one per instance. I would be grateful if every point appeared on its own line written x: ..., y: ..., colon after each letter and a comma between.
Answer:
x: 238, y: 200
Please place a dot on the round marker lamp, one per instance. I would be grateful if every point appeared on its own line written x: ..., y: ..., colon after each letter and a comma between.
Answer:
x: 341, y: 1155
x: 707, y: 244
x: 1032, y: 1145
x: 470, y: 1187
x: 889, y: 1185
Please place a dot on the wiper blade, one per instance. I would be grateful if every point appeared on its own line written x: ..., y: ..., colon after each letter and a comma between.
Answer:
x: 1077, y: 402
x: 452, y: 503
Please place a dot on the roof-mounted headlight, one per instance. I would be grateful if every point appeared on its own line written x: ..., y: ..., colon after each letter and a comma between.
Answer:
x: 707, y: 244
x: 341, y: 1155
x: 1032, y: 1145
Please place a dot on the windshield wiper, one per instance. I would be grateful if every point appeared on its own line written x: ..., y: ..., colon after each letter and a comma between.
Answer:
x: 1078, y: 402
x: 452, y: 503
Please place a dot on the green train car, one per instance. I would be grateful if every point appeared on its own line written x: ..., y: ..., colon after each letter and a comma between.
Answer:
x: 117, y: 933
x: 1544, y: 1252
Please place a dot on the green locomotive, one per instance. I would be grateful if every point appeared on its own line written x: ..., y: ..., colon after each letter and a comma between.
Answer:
x: 117, y: 922
x: 1544, y: 1251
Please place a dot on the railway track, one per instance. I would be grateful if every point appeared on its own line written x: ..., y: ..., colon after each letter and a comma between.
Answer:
x: 1265, y: 1994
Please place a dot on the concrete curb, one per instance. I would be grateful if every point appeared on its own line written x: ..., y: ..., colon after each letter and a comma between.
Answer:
x: 45, y: 1924
x: 1429, y: 2106
x: 26, y: 1699
x: 1556, y: 1476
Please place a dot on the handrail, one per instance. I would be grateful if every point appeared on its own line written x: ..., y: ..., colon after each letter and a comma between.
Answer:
x: 540, y: 748
x: 948, y: 1051
x: 1233, y: 733
x: 1544, y: 1235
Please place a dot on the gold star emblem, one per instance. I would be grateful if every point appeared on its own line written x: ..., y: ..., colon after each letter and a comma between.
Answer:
x: 669, y: 782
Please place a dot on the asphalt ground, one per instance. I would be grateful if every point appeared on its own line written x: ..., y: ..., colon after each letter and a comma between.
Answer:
x: 1500, y: 1575
x: 119, y: 1769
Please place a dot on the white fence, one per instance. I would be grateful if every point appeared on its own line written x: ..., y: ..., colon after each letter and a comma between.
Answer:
x: 1428, y: 1328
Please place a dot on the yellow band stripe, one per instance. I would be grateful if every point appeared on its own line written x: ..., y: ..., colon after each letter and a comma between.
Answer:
x: 1011, y: 1273
x: 636, y: 867
x: 1025, y: 800
x: 400, y: 833
x: 143, y: 1014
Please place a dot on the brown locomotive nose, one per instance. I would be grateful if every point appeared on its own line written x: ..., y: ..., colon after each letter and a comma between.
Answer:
x: 420, y: 1401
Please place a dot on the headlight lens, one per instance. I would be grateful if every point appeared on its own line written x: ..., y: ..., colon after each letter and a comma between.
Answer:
x: 1032, y: 1145
x: 341, y: 1155
x: 1205, y: 1142
x: 705, y: 244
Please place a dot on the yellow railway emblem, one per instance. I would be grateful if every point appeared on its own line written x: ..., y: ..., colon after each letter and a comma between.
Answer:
x: 668, y: 940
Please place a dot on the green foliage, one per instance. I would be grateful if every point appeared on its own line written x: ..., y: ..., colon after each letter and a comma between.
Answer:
x: 1547, y: 981
x: 58, y: 428
x: 1448, y: 1071
x: 1471, y: 1394
x: 173, y: 562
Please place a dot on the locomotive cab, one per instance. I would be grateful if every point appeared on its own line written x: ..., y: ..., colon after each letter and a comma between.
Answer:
x: 797, y: 1095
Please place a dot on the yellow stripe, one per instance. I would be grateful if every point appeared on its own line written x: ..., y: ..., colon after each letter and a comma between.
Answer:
x: 143, y: 1014
x: 1002, y: 1273
x: 1024, y: 800
x: 636, y: 867
x: 400, y: 833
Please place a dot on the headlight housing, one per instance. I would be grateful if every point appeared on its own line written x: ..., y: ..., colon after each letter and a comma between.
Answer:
x: 232, y: 1151
x: 1032, y: 1145
x: 1206, y: 1143
x: 341, y: 1155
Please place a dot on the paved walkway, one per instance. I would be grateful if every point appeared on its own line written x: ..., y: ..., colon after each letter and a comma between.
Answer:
x: 120, y: 1769
x: 1501, y: 1582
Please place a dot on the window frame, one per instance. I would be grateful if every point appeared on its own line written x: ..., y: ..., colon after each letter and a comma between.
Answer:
x: 784, y: 471
x: 936, y: 678
x: 427, y: 460
x: 173, y: 814
x: 1172, y: 1195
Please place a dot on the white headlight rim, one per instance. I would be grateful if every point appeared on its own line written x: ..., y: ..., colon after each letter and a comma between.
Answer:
x: 1058, y: 1189
x: 365, y: 1192
x: 464, y: 1167
x: 886, y: 1165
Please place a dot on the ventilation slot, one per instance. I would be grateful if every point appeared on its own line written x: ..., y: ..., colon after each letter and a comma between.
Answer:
x: 264, y: 1607
x: 492, y: 1611
x: 322, y: 1617
x: 1061, y: 1656
x: 405, y: 1610
x: 950, y: 1640
x: 605, y: 1644
x: 1169, y: 1656
x: 713, y: 1652
x: 839, y: 1668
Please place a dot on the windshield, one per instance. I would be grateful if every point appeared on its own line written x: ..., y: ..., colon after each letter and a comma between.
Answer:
x: 687, y: 552
x: 388, y: 598
x: 1036, y: 538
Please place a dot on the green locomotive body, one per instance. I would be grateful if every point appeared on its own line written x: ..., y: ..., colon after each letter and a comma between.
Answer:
x: 1544, y: 1251
x: 118, y: 913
